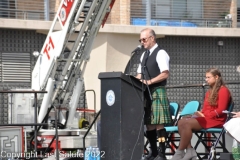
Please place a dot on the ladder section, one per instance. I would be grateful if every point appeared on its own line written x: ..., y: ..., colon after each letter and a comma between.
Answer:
x: 77, y: 50
x: 65, y: 73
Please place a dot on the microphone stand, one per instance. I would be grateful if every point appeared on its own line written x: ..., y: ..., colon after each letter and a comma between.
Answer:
x: 144, y: 77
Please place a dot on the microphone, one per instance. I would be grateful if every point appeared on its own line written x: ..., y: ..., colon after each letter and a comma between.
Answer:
x: 137, y: 49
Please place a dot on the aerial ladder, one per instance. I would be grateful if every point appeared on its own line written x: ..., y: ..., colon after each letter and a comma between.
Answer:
x: 61, y: 63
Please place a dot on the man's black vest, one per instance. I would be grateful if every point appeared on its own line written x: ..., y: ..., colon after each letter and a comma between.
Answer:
x: 151, y: 69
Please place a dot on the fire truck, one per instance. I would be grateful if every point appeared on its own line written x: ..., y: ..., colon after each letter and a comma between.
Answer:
x: 59, y: 70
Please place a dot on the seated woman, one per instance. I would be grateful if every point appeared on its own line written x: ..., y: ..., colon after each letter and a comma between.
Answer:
x: 216, y: 100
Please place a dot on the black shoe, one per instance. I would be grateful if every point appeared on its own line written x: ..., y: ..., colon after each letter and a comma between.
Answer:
x: 149, y: 158
x: 160, y: 158
x: 161, y: 151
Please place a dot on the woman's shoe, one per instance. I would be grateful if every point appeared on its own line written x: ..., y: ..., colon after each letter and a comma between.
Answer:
x: 190, y: 154
x: 179, y: 154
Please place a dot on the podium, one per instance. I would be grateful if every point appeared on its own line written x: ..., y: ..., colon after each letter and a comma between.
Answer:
x: 122, y: 116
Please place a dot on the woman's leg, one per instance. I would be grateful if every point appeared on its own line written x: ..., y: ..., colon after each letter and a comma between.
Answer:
x: 185, y: 128
x: 180, y: 128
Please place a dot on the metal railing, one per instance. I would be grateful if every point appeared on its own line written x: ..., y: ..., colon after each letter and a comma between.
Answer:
x: 196, y: 13
x: 174, y: 22
x: 28, y: 9
x: 35, y: 124
x: 25, y: 14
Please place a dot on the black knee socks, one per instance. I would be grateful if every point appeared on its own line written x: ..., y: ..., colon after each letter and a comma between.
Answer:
x: 163, y: 135
x: 152, y: 138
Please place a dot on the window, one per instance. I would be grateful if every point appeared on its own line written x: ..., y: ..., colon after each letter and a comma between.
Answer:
x: 162, y: 9
x: 185, y: 9
x: 7, y: 9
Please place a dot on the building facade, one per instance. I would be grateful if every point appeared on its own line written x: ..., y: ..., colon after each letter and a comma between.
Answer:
x: 196, y: 34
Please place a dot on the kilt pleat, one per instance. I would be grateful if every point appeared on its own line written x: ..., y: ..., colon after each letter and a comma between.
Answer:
x: 159, y: 111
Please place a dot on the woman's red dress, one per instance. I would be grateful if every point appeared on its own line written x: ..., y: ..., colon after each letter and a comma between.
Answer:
x: 213, y: 115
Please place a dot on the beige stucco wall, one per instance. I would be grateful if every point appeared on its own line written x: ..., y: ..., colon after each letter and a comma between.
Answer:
x: 233, y: 12
x: 111, y: 52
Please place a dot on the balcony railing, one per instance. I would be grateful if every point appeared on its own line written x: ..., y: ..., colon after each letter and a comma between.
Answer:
x: 26, y: 14
x: 171, y: 22
x: 183, y: 13
x: 173, y: 13
x: 29, y: 9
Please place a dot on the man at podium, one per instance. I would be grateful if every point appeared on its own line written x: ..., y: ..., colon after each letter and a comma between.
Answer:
x: 153, y: 70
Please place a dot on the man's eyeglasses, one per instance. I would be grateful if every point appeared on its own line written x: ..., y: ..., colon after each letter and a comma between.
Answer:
x: 144, y: 39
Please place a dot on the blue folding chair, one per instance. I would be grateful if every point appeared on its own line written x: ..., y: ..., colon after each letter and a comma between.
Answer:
x: 174, y: 109
x: 206, y: 136
x: 189, y: 109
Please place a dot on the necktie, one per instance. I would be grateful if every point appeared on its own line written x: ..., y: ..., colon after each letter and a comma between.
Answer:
x: 146, y: 55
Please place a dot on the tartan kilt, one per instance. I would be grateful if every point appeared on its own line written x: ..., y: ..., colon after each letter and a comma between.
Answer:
x: 158, y: 111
